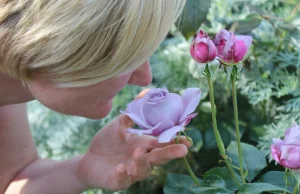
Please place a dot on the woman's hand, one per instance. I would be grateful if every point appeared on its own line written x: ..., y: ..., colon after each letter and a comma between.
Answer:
x: 116, y: 158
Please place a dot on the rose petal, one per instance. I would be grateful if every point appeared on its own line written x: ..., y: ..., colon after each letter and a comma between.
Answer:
x: 292, y: 135
x: 239, y: 51
x: 134, y: 111
x: 164, y: 125
x: 141, y: 131
x: 247, y: 40
x: 292, y: 157
x: 170, y: 109
x: 190, y: 100
x: 277, y: 142
x: 188, y: 119
x: 275, y: 154
x: 169, y: 134
x: 137, y: 120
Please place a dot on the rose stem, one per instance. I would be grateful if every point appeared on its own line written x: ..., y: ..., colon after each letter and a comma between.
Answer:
x: 187, y: 137
x: 188, y: 167
x: 219, y: 141
x: 237, y: 130
x: 295, y: 191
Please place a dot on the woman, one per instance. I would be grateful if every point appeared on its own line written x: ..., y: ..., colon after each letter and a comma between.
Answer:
x: 74, y: 57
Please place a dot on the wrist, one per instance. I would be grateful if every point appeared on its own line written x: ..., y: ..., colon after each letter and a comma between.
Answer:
x: 48, y: 176
x: 81, y: 185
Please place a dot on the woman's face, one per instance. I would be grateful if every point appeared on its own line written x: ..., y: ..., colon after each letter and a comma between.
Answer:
x: 94, y: 101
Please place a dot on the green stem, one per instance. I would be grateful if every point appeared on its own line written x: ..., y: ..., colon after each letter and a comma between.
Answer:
x: 295, y: 191
x: 189, y: 168
x: 219, y: 141
x: 187, y: 137
x: 237, y: 130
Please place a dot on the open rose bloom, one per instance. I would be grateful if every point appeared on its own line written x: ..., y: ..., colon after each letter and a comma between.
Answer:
x: 287, y: 152
x: 163, y: 114
x: 232, y: 48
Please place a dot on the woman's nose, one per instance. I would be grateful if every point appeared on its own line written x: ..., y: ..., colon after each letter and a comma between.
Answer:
x: 142, y: 76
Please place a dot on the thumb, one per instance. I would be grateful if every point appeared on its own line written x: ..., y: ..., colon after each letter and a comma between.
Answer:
x: 125, y: 121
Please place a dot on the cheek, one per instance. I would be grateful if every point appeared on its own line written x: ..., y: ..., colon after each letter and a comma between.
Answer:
x: 93, y: 102
x: 53, y: 99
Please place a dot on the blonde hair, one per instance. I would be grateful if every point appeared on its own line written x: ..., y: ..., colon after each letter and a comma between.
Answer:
x: 81, y: 42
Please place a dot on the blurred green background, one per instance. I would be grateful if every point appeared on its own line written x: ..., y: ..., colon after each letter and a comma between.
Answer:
x: 268, y: 87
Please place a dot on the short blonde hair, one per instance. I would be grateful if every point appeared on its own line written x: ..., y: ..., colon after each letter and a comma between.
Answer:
x: 81, y: 42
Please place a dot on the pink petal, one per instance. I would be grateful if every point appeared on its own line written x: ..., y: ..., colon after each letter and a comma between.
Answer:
x: 290, y: 156
x: 247, y: 40
x: 169, y: 134
x: 190, y: 100
x: 188, y: 119
x: 275, y: 154
x: 277, y: 142
x: 200, y: 52
x: 212, y: 51
x: 239, y: 50
x: 292, y: 135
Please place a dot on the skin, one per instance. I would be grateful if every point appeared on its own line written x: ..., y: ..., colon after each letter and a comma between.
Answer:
x: 115, y: 159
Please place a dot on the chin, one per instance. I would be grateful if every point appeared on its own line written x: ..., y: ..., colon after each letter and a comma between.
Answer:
x: 99, y: 112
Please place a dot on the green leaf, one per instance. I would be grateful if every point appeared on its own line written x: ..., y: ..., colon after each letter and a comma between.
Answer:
x: 179, y: 184
x: 257, y: 188
x: 197, y: 139
x: 193, y: 15
x: 211, y: 190
x: 225, y: 174
x: 253, y: 159
x: 251, y: 22
x: 212, y: 180
x: 279, y: 179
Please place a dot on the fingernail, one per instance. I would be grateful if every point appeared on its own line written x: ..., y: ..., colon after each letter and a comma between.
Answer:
x: 123, y: 170
x: 142, y: 156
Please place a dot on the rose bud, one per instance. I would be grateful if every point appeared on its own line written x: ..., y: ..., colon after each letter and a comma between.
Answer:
x: 203, y: 49
x: 287, y: 152
x: 231, y: 48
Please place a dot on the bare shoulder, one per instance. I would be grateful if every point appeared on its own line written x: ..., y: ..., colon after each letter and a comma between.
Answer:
x: 10, y: 113
x: 17, y: 148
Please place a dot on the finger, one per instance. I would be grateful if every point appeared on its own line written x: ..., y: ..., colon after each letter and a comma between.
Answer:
x: 122, y: 176
x: 153, y: 143
x: 160, y: 156
x: 142, y: 165
x: 142, y: 93
x: 124, y: 121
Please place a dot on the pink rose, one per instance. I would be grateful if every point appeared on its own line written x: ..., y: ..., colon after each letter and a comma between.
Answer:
x: 163, y: 114
x: 203, y: 49
x: 232, y: 48
x: 287, y: 152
